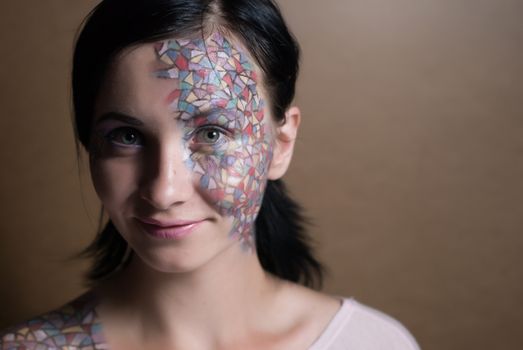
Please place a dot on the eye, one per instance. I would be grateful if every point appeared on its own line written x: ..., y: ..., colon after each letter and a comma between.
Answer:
x: 125, y: 137
x: 209, y: 135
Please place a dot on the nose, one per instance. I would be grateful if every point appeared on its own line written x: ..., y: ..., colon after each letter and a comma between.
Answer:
x: 167, y: 180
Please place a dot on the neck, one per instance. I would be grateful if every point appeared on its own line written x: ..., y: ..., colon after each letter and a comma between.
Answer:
x: 217, y: 300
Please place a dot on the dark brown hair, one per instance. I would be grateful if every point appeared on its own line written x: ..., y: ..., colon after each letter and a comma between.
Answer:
x: 281, y: 242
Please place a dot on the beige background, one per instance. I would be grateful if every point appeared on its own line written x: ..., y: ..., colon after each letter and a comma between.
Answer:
x: 410, y: 160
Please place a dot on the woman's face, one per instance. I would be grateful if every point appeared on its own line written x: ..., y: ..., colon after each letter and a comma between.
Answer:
x: 180, y: 149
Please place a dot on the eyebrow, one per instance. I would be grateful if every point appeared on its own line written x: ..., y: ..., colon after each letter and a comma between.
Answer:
x: 119, y: 117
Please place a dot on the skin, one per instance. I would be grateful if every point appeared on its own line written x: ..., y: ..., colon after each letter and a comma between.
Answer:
x: 181, y: 132
x: 218, y: 97
x: 152, y: 148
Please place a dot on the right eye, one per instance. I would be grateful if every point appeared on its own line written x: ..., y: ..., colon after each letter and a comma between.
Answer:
x: 125, y: 137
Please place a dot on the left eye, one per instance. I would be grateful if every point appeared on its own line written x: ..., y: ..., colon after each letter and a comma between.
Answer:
x: 209, y: 135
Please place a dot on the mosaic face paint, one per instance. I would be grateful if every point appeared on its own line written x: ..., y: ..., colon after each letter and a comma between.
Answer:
x: 74, y: 326
x: 226, y: 142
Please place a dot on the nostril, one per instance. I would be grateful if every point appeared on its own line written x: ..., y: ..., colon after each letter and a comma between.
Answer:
x: 166, y: 188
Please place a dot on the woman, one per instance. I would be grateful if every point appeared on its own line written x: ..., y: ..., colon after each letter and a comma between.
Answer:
x: 184, y: 109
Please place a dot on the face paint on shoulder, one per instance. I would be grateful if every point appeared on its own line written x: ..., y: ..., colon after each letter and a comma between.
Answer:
x: 227, y: 137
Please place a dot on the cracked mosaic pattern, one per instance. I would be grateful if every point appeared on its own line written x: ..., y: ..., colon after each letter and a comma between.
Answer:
x: 74, y: 326
x: 227, y: 141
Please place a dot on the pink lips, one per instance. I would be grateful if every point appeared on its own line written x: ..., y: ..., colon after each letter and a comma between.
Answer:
x: 172, y: 229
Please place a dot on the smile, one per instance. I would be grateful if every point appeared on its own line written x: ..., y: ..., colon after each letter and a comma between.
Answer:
x: 174, y: 229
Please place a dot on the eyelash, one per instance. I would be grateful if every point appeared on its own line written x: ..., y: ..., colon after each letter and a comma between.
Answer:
x: 113, y: 136
x: 222, y: 132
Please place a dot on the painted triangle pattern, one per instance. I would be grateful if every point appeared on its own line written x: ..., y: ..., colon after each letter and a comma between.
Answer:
x: 227, y: 139
x: 74, y: 326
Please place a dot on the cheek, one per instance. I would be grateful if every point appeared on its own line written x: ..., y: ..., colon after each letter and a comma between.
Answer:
x: 234, y: 180
x: 113, y: 180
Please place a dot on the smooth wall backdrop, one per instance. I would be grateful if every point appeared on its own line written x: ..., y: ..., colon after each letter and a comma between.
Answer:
x: 409, y: 161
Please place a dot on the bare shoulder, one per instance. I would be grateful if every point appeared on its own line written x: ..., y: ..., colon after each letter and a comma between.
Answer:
x: 74, y: 324
x: 308, y: 302
x: 311, y: 310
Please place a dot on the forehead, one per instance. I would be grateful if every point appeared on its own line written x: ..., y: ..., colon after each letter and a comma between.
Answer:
x: 212, y: 63
x: 215, y: 53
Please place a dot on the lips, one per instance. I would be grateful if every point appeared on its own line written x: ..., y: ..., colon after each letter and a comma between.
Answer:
x: 168, y: 229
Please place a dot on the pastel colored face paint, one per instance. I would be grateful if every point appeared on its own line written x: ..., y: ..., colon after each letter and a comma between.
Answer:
x: 76, y: 325
x: 226, y: 137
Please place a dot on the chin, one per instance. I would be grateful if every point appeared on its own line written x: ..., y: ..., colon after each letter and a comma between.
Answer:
x: 185, y: 259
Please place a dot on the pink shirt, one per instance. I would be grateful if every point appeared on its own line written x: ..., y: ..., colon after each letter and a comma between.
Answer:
x: 359, y: 327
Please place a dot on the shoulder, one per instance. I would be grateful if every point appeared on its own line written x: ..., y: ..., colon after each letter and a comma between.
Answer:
x: 73, y: 324
x: 360, y: 327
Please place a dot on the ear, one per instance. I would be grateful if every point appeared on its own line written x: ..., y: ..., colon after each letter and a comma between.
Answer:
x: 284, y: 143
